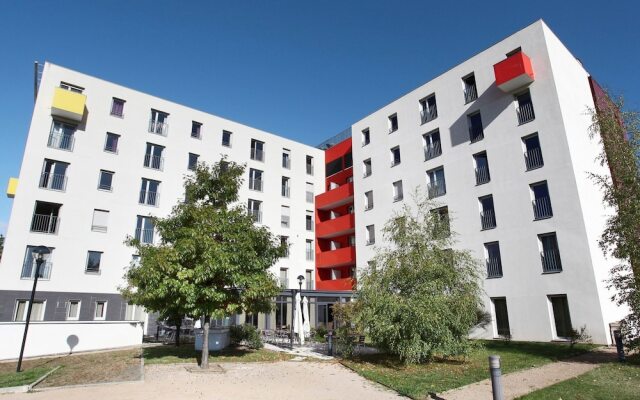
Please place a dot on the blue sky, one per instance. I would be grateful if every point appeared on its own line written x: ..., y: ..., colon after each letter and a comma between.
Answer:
x: 305, y: 70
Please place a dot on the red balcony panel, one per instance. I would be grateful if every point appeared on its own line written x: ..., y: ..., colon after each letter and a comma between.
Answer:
x: 340, y: 177
x: 336, y: 258
x: 513, y: 73
x: 336, y: 284
x: 343, y: 225
x: 335, y: 197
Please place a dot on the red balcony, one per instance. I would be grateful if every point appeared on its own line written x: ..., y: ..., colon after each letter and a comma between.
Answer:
x: 336, y: 284
x: 331, y: 228
x: 336, y: 258
x: 335, y: 197
x: 513, y: 73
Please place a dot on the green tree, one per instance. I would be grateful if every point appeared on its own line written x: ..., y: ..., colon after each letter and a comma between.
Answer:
x: 212, y: 259
x: 618, y: 131
x: 1, y: 246
x: 420, y: 296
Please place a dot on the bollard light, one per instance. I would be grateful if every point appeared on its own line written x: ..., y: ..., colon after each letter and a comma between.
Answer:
x: 496, y: 377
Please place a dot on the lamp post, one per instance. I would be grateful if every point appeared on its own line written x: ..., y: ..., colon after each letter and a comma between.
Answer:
x: 38, y: 254
x: 300, y: 280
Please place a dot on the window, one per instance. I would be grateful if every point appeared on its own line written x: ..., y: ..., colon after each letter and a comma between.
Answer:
x: 149, y: 192
x: 393, y: 123
x: 285, y: 187
x: 30, y: 267
x: 428, y: 109
x: 397, y: 191
x: 284, y: 278
x: 309, y: 221
x: 100, y: 310
x: 285, y: 216
x: 111, y: 143
x: 366, y: 137
x: 549, y: 253
x: 226, y: 138
x: 501, y: 317
x: 37, y: 310
x: 476, y: 132
x: 366, y: 167
x: 255, y: 179
x: 153, y: 156
x: 106, y: 180
x: 73, y: 310
x: 257, y: 150
x: 284, y: 241
x: 54, y: 175
x: 481, y: 163
x: 525, y: 108
x: 158, y: 122
x: 309, y: 250
x: 368, y: 200
x: 309, y: 164
x: 255, y: 210
x: 134, y: 312
x: 144, y: 229
x: 100, y: 220
x: 541, y: 201
x: 195, y: 129
x: 487, y: 213
x: 308, y: 278
x: 193, y: 161
x: 431, y: 144
x: 117, y: 107
x: 309, y: 192
x: 470, y: 90
x: 286, y: 158
x: 561, y: 316
x: 93, y: 261
x: 395, y: 156
x: 45, y: 217
x: 370, y: 235
x: 493, y: 260
x: 436, y: 185
x: 61, y: 136
x: 71, y: 88
x: 532, y: 152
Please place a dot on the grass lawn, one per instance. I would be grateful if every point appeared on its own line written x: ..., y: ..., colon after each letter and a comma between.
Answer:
x: 609, y: 381
x: 109, y: 366
x: 185, y: 353
x: 417, y: 381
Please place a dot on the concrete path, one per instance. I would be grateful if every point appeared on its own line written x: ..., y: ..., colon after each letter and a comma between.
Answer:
x: 518, y: 384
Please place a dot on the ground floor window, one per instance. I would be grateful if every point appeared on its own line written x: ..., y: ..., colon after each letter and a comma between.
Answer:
x: 325, y: 316
x: 501, y: 316
x: 37, y: 311
x: 561, y: 316
x: 73, y: 309
x: 281, y: 315
x: 101, y: 310
x: 251, y: 319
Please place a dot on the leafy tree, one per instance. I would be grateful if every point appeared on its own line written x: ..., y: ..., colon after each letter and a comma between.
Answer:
x: 212, y: 259
x: 420, y: 296
x: 1, y: 245
x: 618, y: 130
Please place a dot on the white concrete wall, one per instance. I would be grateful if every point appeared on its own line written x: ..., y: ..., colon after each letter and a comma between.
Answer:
x: 48, y: 338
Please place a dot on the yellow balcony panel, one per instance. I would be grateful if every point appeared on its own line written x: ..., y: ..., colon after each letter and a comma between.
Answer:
x: 12, y: 187
x: 68, y: 104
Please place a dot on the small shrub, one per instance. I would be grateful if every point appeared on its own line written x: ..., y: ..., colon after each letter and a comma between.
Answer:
x: 319, y: 334
x: 247, y: 335
x: 579, y: 336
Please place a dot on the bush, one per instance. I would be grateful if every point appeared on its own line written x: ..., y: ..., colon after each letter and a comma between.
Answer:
x: 579, y: 336
x: 346, y: 332
x: 246, y: 335
x: 319, y: 334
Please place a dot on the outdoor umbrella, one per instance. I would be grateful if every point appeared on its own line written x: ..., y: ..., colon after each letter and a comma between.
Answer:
x: 305, y: 313
x: 297, y: 319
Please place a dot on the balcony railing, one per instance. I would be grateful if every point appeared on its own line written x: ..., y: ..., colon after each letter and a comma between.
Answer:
x: 309, y: 196
x: 310, y: 254
x: 144, y: 235
x: 284, y: 221
x: 395, y: 162
x: 286, y: 191
x: 30, y: 267
x: 476, y: 133
x: 550, y: 261
x: 53, y: 181
x: 257, y: 154
x: 149, y: 198
x: 533, y: 158
x: 99, y: 228
x: 61, y: 141
x: 542, y: 208
x: 397, y: 197
x: 366, y: 173
x: 432, y: 151
x: 286, y: 163
x: 256, y: 214
x: 153, y: 162
x: 309, y: 169
x: 482, y: 175
x: 488, y: 219
x: 470, y: 93
x: 494, y: 267
x: 309, y: 284
x: 255, y: 184
x: 43, y: 223
x: 157, y: 127
x: 525, y: 113
x: 309, y: 225
x: 436, y: 189
x: 429, y: 114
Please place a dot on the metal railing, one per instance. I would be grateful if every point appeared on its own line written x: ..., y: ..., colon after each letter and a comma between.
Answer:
x: 470, y: 93
x: 366, y: 173
x: 309, y: 225
x: 482, y: 175
x: 286, y: 163
x: 476, y: 133
x: 149, y: 198
x: 368, y: 205
x: 432, y: 151
x: 99, y: 228
x: 525, y: 113
x: 436, y: 189
x: 494, y: 267
x: 397, y: 197
x: 395, y: 161
x: 542, y: 208
x: 61, y: 141
x: 286, y: 191
x: 550, y: 260
x: 160, y: 128
x: 310, y: 254
x: 44, y: 223
x: 309, y: 197
x: 29, y: 269
x: 144, y: 235
x: 533, y: 158
x: 429, y: 114
x: 154, y: 162
x: 257, y: 154
x: 309, y: 284
x: 393, y: 129
x: 53, y: 181
x: 488, y: 219
x: 111, y: 148
x: 284, y: 221
x: 309, y: 169
x: 256, y: 214
x: 255, y: 184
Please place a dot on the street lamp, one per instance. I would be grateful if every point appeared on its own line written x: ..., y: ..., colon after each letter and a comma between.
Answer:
x: 300, y: 280
x: 38, y: 254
